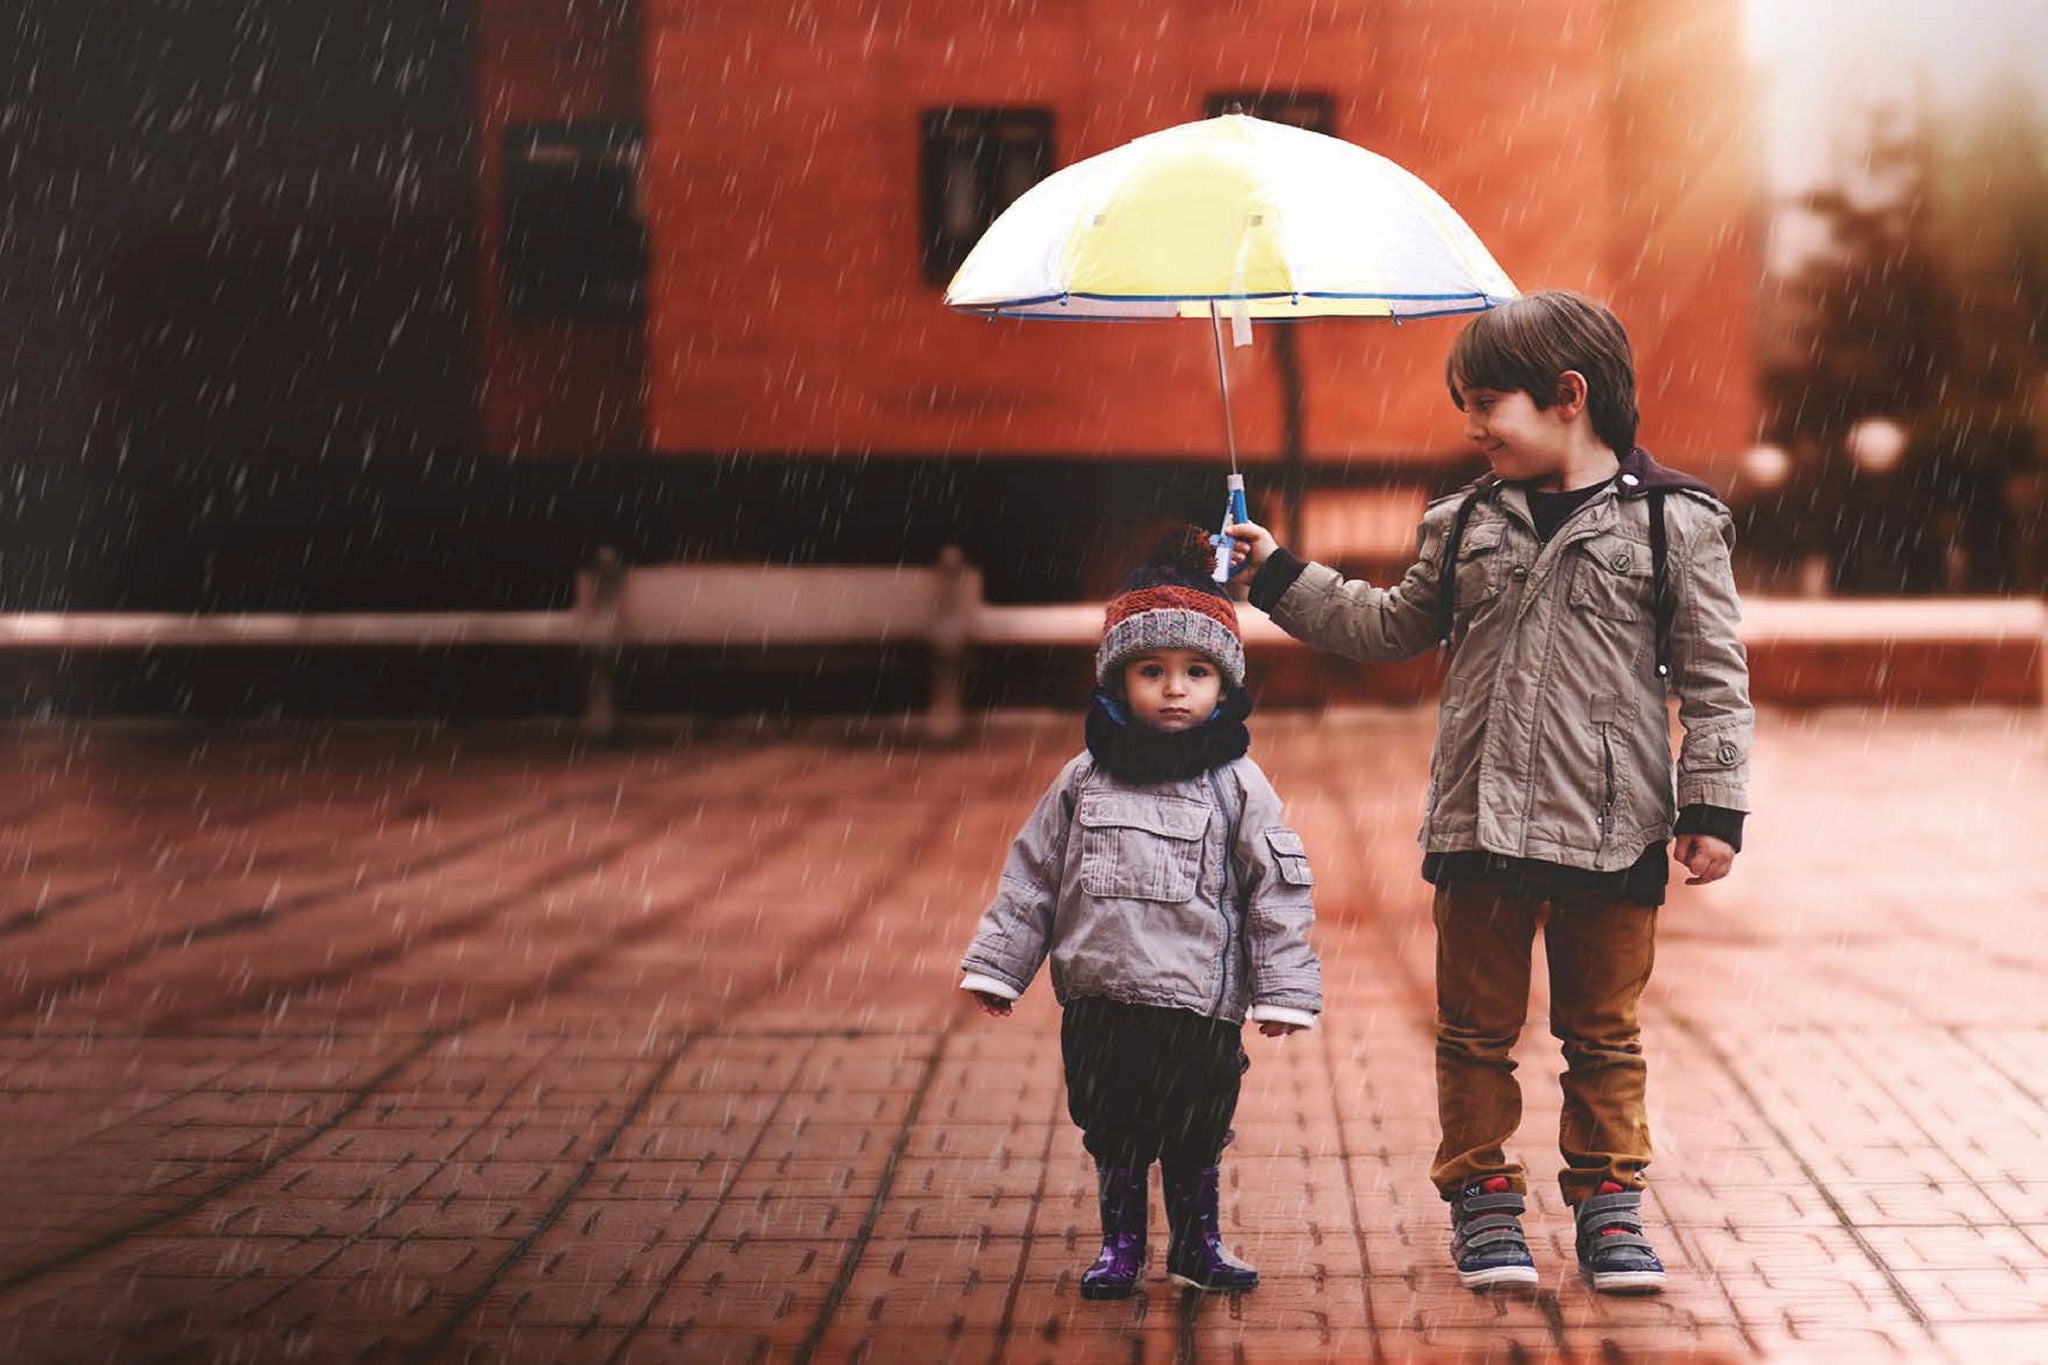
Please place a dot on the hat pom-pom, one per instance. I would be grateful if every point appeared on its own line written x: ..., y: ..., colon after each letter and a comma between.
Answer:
x: 1183, y: 556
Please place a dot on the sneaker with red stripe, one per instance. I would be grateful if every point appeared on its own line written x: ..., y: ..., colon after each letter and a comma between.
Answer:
x: 1613, y: 1252
x: 1487, y: 1243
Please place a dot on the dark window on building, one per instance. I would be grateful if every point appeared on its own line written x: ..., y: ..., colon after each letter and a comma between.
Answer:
x: 1314, y: 111
x: 974, y: 165
x: 575, y: 247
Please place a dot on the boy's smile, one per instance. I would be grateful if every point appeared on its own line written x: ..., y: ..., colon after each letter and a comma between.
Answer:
x: 1520, y: 440
x: 1172, y: 689
x: 1545, y: 447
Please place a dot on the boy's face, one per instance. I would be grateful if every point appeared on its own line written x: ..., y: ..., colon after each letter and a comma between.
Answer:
x: 1172, y: 689
x: 1520, y: 440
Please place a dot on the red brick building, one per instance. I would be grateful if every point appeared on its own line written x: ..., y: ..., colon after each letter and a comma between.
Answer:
x: 418, y: 307
x: 1593, y: 145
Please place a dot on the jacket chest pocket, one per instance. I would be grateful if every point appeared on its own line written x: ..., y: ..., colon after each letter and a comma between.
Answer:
x: 1611, y: 577
x: 1141, y: 848
x: 1479, y: 572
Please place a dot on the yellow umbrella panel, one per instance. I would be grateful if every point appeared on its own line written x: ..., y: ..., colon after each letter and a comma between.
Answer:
x: 1261, y: 220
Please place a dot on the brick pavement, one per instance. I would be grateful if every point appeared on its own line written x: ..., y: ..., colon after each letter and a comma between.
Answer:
x: 396, y: 1044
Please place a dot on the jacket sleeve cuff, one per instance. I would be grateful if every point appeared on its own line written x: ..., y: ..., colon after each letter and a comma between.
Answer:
x: 1716, y: 821
x: 988, y: 985
x: 1274, y: 578
x: 1280, y: 1014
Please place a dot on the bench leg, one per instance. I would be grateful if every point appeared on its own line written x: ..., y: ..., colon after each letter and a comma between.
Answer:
x: 600, y: 704
x: 946, y: 720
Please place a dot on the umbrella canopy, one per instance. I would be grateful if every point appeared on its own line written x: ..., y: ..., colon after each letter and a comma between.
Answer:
x: 1266, y: 220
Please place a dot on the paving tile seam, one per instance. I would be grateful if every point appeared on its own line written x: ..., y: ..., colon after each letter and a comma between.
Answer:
x: 357, y: 1099
x: 1344, y: 1156
x: 1858, y: 1059
x: 1007, y: 1323
x: 1692, y: 1029
x: 718, y: 1203
x: 56, y: 1038
x: 863, y: 903
x: 575, y: 966
x: 271, y: 912
x: 21, y: 921
x: 393, y: 1206
x: 836, y: 1295
x: 208, y: 1085
x: 533, y: 812
x: 787, y: 968
x: 1966, y: 1036
x: 445, y: 1331
x: 583, y: 865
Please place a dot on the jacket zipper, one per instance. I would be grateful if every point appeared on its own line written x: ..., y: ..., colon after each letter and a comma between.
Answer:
x: 1223, y: 899
x: 1607, y: 801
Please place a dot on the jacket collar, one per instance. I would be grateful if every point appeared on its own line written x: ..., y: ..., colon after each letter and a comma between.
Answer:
x: 1639, y: 474
x: 1636, y: 475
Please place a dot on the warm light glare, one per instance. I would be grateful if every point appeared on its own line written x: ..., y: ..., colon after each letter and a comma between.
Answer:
x: 1766, y: 467
x: 1824, y: 64
x: 1877, y: 444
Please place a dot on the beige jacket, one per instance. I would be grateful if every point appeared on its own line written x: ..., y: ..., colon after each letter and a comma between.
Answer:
x: 1553, y: 740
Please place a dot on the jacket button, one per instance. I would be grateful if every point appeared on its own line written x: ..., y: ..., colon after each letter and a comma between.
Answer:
x: 1619, y: 559
x: 1521, y: 572
x: 1727, y: 753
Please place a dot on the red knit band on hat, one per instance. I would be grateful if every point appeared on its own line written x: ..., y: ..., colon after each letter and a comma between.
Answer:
x: 1168, y: 596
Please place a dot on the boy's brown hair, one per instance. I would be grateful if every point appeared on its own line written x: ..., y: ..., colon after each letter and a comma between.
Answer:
x: 1528, y: 343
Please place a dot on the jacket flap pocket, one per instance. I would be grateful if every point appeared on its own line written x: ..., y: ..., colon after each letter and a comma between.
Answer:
x: 1291, y: 857
x: 1168, y: 817
x: 1612, y: 578
x: 1617, y: 554
x: 1480, y: 540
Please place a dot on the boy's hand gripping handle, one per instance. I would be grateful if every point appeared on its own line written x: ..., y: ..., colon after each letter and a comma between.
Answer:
x: 1234, y: 511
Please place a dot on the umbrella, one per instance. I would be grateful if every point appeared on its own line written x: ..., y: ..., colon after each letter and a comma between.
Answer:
x: 1238, y: 215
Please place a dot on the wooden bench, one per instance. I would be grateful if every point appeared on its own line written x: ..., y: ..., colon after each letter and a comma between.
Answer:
x: 1802, y: 651
x: 616, y: 608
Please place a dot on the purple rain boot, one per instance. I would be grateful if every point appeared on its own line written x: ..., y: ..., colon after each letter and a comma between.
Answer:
x: 1121, y: 1192
x: 1195, y: 1255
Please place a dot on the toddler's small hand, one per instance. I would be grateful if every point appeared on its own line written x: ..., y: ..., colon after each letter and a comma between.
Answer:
x: 1274, y: 1028
x: 993, y: 1005
x: 1707, y: 858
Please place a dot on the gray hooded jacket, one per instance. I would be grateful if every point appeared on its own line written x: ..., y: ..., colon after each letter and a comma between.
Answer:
x: 1190, y: 895
x: 1553, y: 741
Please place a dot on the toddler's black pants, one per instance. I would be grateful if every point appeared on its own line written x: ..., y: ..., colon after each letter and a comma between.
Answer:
x: 1146, y: 1084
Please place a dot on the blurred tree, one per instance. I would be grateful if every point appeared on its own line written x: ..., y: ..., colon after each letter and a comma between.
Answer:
x: 1929, y: 306
x: 1987, y: 216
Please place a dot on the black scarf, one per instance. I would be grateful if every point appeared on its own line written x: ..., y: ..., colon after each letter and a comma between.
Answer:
x: 1133, y: 752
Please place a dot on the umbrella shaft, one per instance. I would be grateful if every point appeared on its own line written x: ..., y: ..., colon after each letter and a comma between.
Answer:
x: 1223, y: 378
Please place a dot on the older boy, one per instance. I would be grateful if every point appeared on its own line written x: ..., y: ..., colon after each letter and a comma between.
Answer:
x: 1572, y: 584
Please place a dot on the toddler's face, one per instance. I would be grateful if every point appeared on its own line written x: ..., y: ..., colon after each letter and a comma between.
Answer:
x: 1172, y: 689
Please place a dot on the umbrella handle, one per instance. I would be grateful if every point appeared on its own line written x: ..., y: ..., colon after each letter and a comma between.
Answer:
x: 1233, y: 512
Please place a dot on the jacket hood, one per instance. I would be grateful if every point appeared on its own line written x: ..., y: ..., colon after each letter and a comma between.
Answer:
x: 1639, y: 474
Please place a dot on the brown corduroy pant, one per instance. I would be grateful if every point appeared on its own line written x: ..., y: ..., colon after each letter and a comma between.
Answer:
x: 1600, y: 955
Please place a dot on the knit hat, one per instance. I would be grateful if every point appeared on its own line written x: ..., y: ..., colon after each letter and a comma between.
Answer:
x: 1172, y: 602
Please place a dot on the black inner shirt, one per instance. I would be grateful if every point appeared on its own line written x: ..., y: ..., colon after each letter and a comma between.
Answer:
x: 1550, y: 510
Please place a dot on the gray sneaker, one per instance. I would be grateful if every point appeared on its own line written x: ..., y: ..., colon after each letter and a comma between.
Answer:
x: 1613, y: 1252
x: 1488, y: 1245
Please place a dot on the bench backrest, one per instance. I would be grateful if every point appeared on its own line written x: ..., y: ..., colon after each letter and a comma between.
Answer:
x: 724, y: 604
